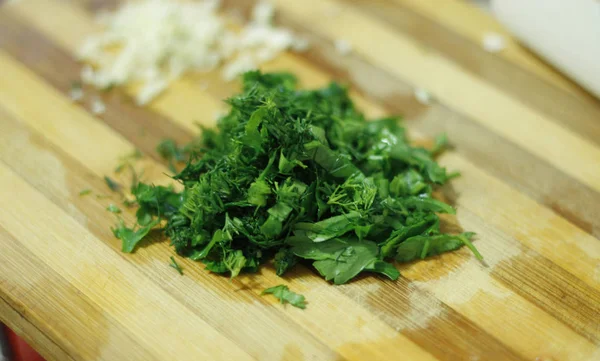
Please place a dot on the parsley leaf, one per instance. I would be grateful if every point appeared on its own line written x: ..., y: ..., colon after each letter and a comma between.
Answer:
x: 113, y: 209
x: 341, y: 260
x: 283, y: 293
x: 130, y: 236
x: 113, y: 185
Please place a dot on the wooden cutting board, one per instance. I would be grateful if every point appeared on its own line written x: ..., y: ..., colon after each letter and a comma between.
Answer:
x: 527, y: 145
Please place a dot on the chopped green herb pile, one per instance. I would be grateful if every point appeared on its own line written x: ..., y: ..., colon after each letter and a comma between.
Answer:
x: 283, y: 293
x: 300, y: 176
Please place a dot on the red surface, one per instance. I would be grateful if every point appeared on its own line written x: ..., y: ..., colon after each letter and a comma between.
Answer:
x: 20, y: 350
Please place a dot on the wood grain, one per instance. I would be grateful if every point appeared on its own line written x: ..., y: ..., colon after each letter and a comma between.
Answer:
x: 529, y: 189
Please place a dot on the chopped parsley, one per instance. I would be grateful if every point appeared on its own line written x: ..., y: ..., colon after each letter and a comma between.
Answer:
x: 112, y: 184
x: 113, y: 209
x: 299, y: 176
x: 283, y: 293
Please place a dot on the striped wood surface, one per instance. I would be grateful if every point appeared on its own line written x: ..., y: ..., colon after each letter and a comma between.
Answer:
x: 527, y: 145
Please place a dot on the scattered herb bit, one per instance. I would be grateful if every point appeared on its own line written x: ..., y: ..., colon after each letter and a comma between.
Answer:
x: 172, y: 153
x: 175, y: 265
x: 113, y: 209
x: 441, y: 144
x: 113, y: 185
x: 300, y: 176
x: 108, y: 88
x: 129, y: 203
x: 130, y: 236
x: 76, y: 91
x: 76, y: 84
x: 85, y: 192
x: 283, y: 293
x: 127, y: 160
x: 101, y: 196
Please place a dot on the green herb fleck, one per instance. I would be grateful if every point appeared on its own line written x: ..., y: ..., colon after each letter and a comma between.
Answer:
x: 113, y: 185
x: 131, y: 236
x: 127, y: 160
x: 175, y: 265
x: 85, y: 192
x: 109, y: 87
x: 171, y: 152
x: 113, y: 209
x: 283, y: 293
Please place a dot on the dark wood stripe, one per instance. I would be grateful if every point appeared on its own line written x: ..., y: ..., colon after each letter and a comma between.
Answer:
x: 78, y: 177
x: 446, y: 334
x: 145, y: 129
x: 44, y: 296
x: 576, y: 112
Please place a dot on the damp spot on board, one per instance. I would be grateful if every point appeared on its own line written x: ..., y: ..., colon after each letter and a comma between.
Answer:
x: 552, y: 227
x: 48, y: 167
x: 40, y: 166
x: 395, y: 303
